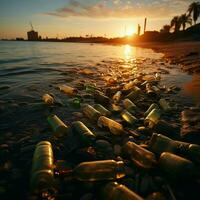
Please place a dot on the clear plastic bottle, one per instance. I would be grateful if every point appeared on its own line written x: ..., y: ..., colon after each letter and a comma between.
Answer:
x: 115, y: 191
x: 85, y: 135
x: 152, y: 118
x: 114, y: 127
x: 117, y: 96
x: 99, y: 170
x: 128, y: 118
x: 101, y: 98
x: 91, y: 112
x: 48, y: 99
x: 68, y: 90
x: 130, y: 106
x: 102, y: 110
x: 59, y: 128
x: 42, y: 180
x: 134, y: 94
x: 164, y: 105
x: 141, y: 157
x: 152, y: 106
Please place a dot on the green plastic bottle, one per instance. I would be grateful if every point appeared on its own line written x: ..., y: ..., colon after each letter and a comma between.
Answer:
x: 91, y: 112
x: 115, y: 191
x: 59, y: 128
x: 99, y: 170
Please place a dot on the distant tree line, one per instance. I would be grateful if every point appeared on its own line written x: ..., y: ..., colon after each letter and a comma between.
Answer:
x: 192, y: 14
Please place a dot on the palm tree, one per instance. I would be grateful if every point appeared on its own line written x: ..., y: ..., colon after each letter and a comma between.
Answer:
x: 175, y: 23
x: 165, y: 29
x: 185, y: 19
x: 195, y: 8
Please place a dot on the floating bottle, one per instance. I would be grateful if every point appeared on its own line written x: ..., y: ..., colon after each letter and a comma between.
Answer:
x: 117, y: 96
x: 101, y: 98
x: 155, y: 89
x: 128, y: 118
x: 129, y: 85
x: 99, y: 170
x: 68, y: 90
x: 59, y: 128
x: 140, y: 156
x: 115, y: 108
x: 177, y: 167
x: 114, y: 191
x: 90, y: 88
x: 149, y: 90
x: 48, y: 99
x: 152, y: 118
x: 157, y: 77
x: 85, y: 135
x: 76, y: 102
x: 152, y: 106
x: 42, y: 174
x: 114, y: 127
x: 130, y: 106
x: 134, y: 94
x: 91, y: 112
x: 164, y: 105
x: 102, y: 110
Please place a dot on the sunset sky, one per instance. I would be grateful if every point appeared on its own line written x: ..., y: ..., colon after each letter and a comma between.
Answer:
x: 62, y: 18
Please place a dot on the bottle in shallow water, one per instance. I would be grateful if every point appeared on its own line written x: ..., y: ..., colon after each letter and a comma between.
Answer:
x: 116, y: 109
x: 100, y: 98
x: 152, y: 106
x: 114, y: 127
x: 102, y: 110
x: 130, y: 106
x: 117, y: 96
x: 129, y: 85
x: 157, y: 77
x: 114, y: 191
x: 59, y: 127
x: 149, y: 90
x: 90, y: 88
x: 76, y: 102
x: 134, y: 94
x: 141, y: 157
x: 152, y: 118
x: 128, y: 118
x: 42, y: 182
x: 164, y: 105
x: 177, y: 167
x: 91, y: 112
x: 84, y: 133
x: 68, y: 90
x: 99, y: 170
x: 48, y: 99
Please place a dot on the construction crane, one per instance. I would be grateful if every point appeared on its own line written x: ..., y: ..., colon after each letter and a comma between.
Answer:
x: 31, y: 26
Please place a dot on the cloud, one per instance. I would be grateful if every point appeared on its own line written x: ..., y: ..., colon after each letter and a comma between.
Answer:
x: 122, y: 8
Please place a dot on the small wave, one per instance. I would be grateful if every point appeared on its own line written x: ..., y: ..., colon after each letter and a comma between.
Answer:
x: 16, y: 60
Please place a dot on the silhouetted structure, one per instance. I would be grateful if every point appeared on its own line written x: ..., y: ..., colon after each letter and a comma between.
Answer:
x: 139, y: 29
x: 32, y: 35
x: 145, y: 24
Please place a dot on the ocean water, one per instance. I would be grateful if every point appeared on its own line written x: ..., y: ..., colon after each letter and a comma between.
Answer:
x: 30, y: 69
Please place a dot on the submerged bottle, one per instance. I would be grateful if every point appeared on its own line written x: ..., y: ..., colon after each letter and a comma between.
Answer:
x: 128, y: 118
x: 91, y: 112
x: 59, y: 128
x: 152, y: 106
x: 99, y: 170
x: 114, y: 191
x: 101, y: 98
x: 141, y: 157
x: 152, y: 118
x: 68, y: 90
x: 117, y: 96
x: 48, y: 99
x: 130, y: 106
x: 85, y: 135
x: 164, y: 105
x: 114, y: 127
x: 42, y: 174
x: 102, y: 110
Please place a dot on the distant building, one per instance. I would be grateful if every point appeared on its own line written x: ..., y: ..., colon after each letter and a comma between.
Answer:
x: 19, y: 39
x: 32, y: 35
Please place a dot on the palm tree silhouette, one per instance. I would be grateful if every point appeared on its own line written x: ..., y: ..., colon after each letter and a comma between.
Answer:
x: 175, y: 23
x: 195, y: 9
x: 185, y: 19
x: 165, y: 29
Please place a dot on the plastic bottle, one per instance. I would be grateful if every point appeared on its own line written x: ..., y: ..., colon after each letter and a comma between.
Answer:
x: 115, y: 191
x: 129, y: 85
x: 68, y: 90
x: 149, y: 90
x: 140, y: 156
x: 59, y: 128
x: 102, y: 110
x: 91, y: 112
x: 99, y: 170
x: 48, y: 99
x: 130, y: 106
x: 152, y: 118
x: 152, y: 106
x: 76, y: 102
x: 42, y: 175
x: 114, y: 127
x: 128, y: 118
x: 117, y: 96
x: 101, y: 98
x: 164, y: 105
x: 134, y: 94
x: 85, y: 135
x: 90, y: 88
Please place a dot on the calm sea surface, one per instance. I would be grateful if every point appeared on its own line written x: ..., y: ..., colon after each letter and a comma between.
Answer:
x: 30, y: 69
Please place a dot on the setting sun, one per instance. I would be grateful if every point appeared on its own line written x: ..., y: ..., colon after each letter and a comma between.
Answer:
x: 130, y: 31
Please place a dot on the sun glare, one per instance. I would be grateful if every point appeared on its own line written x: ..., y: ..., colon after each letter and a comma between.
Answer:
x: 130, y: 31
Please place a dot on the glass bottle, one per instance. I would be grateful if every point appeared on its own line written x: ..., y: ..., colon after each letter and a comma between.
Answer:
x: 59, y: 128
x: 48, y: 99
x: 128, y: 118
x: 91, y: 112
x: 134, y: 94
x: 99, y: 170
x: 115, y: 191
x: 85, y: 135
x: 149, y: 90
x: 117, y: 96
x: 42, y: 180
x: 152, y: 106
x: 164, y: 105
x: 141, y: 157
x: 130, y: 106
x: 152, y: 118
x: 102, y: 110
x: 101, y: 98
x: 114, y: 127
x: 68, y: 90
